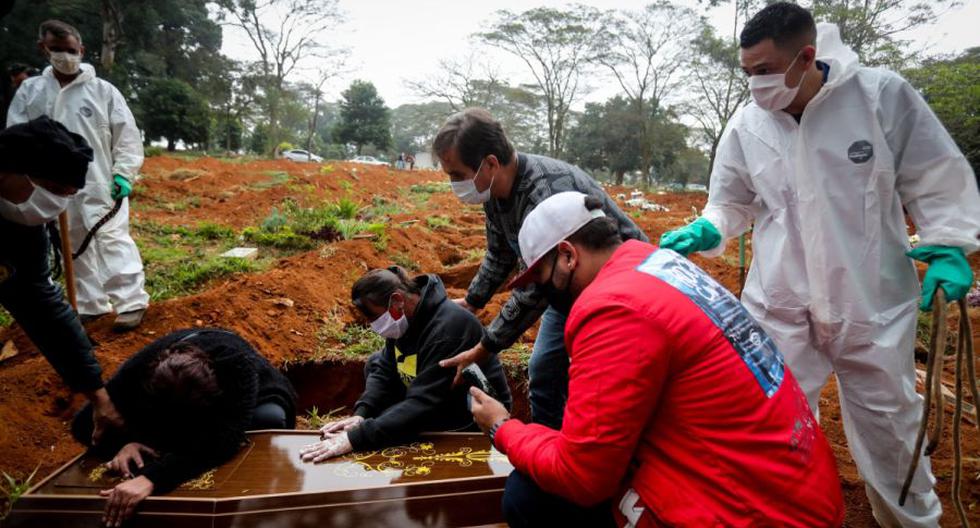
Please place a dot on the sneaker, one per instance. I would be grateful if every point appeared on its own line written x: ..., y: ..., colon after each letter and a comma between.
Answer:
x: 128, y: 320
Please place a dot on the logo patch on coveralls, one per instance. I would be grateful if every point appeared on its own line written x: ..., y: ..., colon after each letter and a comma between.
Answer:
x: 860, y: 151
x: 85, y: 111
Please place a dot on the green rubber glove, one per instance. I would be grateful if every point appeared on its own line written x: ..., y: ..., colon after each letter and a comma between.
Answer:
x: 120, y: 187
x: 699, y: 235
x: 948, y: 269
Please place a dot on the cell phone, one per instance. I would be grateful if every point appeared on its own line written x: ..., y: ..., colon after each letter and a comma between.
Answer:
x: 474, y: 377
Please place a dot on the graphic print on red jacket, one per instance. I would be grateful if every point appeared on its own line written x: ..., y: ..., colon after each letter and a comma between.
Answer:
x: 671, y: 379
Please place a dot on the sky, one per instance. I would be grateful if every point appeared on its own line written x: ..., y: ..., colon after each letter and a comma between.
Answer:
x: 392, y: 41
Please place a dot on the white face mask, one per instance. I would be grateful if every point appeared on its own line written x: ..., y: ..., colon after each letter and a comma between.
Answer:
x: 66, y: 63
x: 770, y: 91
x: 466, y: 190
x: 40, y: 208
x: 388, y: 327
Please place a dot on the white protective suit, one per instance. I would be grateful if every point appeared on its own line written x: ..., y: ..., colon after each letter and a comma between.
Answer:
x: 829, y: 280
x: 110, y: 273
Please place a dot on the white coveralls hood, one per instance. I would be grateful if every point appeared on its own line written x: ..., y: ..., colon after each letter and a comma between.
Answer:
x: 110, y: 273
x: 829, y: 280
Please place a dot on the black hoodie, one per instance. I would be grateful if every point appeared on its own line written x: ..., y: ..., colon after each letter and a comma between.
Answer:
x: 400, y: 401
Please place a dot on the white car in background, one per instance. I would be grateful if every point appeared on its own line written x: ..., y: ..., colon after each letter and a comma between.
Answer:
x: 368, y: 160
x: 300, y: 155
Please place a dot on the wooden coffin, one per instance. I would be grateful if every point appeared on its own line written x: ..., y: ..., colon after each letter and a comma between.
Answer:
x: 443, y: 479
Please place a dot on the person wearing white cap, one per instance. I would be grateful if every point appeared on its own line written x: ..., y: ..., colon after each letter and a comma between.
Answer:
x: 484, y: 169
x: 680, y: 410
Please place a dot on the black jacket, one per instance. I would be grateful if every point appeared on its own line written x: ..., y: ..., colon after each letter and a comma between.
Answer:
x: 191, y: 442
x: 398, y: 404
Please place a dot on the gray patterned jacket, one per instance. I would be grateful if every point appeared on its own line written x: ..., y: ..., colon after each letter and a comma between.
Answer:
x: 538, y: 177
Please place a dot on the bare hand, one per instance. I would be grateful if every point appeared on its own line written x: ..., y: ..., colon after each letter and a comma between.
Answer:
x: 123, y: 499
x: 477, y: 354
x: 104, y: 415
x: 132, y: 452
x: 462, y: 302
x: 337, y: 445
x: 340, y: 426
x: 486, y: 410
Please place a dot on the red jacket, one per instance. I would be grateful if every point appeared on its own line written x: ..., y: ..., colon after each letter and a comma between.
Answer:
x: 676, y: 392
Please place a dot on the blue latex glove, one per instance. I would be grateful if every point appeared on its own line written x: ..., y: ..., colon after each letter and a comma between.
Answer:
x: 948, y: 269
x: 699, y: 235
x: 121, y: 187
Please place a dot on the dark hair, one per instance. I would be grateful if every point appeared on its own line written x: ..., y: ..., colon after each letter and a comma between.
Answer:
x: 377, y: 285
x: 600, y: 233
x: 788, y: 25
x: 183, y: 374
x: 475, y: 134
x: 59, y: 29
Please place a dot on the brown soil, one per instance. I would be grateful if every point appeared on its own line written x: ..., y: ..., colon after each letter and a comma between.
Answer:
x: 35, y: 407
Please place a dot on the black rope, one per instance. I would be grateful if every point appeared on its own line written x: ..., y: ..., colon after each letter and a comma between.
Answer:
x: 95, y: 229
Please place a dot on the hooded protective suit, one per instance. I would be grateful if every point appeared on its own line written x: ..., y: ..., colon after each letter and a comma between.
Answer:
x: 830, y: 281
x: 111, y: 269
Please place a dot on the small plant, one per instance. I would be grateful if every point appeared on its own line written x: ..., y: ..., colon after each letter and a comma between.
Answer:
x: 352, y: 340
x: 381, y: 208
x: 475, y: 255
x: 327, y: 169
x: 274, y: 222
x: 284, y: 238
x: 347, y: 186
x: 430, y: 188
x: 276, y: 178
x: 11, y: 490
x: 213, y: 231
x: 152, y: 152
x: 405, y: 261
x: 317, y: 420
x: 345, y: 208
x: 437, y: 222
x: 5, y: 318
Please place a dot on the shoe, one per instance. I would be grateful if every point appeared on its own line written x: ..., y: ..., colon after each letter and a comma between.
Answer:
x: 88, y: 318
x: 128, y: 320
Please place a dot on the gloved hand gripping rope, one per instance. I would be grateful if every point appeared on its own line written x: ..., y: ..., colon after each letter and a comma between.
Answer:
x: 933, y: 391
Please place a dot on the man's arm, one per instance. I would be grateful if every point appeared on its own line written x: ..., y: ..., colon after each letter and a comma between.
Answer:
x: 497, y: 264
x: 619, y: 365
x: 17, y: 112
x: 127, y: 145
x: 934, y: 179
x: 520, y: 312
x: 730, y: 193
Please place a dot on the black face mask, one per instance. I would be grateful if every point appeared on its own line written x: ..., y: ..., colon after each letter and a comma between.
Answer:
x: 559, y: 298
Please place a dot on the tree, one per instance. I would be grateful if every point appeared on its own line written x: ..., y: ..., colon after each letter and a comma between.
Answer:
x: 556, y: 46
x: 414, y: 126
x: 364, y: 118
x: 172, y: 109
x: 952, y: 89
x: 647, y: 52
x: 284, y: 33
x: 873, y: 28
x: 718, y: 87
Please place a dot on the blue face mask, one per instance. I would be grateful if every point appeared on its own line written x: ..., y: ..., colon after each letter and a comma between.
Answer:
x: 466, y: 190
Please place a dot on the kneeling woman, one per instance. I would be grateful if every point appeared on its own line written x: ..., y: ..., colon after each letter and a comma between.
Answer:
x: 187, y: 400
x: 406, y: 390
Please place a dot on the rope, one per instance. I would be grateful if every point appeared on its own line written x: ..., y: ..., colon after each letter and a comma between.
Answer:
x: 95, y: 229
x: 933, y: 391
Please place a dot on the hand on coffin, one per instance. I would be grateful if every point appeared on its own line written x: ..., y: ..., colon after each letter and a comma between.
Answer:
x: 323, y: 450
x: 123, y: 499
x: 131, y: 452
x: 339, y: 426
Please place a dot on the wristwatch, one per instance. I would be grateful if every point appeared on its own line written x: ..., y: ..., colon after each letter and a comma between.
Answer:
x: 493, y: 430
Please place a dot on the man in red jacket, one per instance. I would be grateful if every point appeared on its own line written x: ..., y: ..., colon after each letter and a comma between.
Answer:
x: 680, y: 408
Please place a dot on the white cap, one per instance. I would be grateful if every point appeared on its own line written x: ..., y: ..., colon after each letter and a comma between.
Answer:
x: 552, y: 221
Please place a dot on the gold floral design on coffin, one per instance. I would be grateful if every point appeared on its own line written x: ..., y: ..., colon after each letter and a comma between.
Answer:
x: 415, y: 459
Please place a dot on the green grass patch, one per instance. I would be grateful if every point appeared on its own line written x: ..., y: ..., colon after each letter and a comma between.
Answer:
x: 187, y: 276
x: 352, y: 340
x: 430, y: 188
x: 5, y: 318
x: 437, y: 222
x: 381, y: 209
x: 282, y: 238
x: 276, y: 179
x: 405, y: 261
x: 475, y: 255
